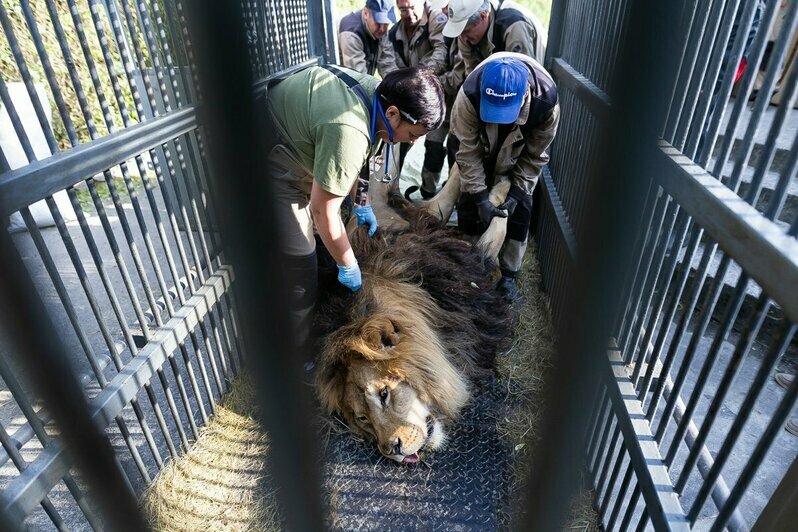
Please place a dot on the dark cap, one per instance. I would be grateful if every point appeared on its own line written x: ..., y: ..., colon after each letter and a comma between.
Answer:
x: 382, y: 11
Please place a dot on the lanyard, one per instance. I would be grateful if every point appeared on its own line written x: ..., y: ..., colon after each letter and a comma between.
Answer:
x: 377, y: 107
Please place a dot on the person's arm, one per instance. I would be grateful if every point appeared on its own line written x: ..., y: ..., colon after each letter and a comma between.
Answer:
x: 466, y: 126
x: 325, y: 208
x: 435, y: 60
x: 469, y: 55
x: 386, y: 58
x: 521, y: 38
x: 352, y: 53
x: 527, y: 169
x: 452, y: 79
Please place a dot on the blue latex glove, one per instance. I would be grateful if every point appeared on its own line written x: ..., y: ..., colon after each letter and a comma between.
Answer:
x: 349, y: 276
x: 366, y: 216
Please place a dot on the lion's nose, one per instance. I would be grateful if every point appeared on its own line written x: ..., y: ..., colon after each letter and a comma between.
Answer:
x: 393, y: 447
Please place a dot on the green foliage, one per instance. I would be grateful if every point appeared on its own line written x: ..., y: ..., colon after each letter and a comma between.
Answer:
x: 42, y: 22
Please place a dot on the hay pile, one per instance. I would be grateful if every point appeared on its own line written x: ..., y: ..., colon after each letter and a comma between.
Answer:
x: 223, y: 483
x: 524, y: 369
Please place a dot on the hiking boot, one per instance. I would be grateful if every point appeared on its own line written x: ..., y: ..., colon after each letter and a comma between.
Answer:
x: 792, y: 426
x: 784, y: 380
x: 508, y: 289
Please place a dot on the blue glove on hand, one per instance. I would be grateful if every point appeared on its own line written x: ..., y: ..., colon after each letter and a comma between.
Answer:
x: 366, y: 216
x: 349, y: 276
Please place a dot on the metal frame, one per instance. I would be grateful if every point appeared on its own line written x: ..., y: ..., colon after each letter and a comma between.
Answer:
x: 698, y: 232
x: 161, y: 333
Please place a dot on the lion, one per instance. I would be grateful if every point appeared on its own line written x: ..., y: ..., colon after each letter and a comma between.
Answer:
x: 398, y: 359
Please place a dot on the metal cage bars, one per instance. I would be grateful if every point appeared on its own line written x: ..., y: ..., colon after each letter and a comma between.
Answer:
x: 141, y: 54
x: 692, y: 215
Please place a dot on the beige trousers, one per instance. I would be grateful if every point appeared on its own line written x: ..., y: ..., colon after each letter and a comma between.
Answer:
x: 292, y: 184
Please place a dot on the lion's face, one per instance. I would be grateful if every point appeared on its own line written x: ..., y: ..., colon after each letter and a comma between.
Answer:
x: 383, y: 406
x: 389, y: 377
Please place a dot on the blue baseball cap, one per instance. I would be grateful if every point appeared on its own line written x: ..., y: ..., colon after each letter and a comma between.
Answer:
x: 501, y: 93
x: 382, y: 11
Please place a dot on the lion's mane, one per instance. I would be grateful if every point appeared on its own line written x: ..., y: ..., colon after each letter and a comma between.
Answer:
x: 428, y: 313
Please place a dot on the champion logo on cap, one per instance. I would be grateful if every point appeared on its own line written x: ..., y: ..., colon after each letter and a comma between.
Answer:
x: 503, y: 87
x: 491, y: 92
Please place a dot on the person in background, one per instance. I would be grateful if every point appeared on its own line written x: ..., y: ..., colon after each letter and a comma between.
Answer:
x: 363, y: 38
x: 417, y: 41
x: 505, y: 117
x: 484, y: 27
x: 451, y: 78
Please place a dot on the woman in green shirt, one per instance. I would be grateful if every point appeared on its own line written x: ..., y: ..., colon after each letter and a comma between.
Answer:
x: 331, y: 121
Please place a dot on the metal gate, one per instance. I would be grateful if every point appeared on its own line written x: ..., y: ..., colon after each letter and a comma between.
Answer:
x: 683, y: 429
x: 132, y: 273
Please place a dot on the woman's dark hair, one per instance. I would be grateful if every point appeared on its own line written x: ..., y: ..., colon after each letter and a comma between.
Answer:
x: 417, y: 93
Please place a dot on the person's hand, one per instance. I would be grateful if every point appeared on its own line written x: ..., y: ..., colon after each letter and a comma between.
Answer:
x: 515, y: 196
x: 486, y: 209
x: 365, y: 215
x: 349, y: 276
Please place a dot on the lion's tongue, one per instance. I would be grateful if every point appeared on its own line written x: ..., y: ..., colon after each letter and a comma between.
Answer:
x: 410, y: 459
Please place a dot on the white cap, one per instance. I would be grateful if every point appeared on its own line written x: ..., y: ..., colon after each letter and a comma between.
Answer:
x: 437, y: 4
x: 459, y: 13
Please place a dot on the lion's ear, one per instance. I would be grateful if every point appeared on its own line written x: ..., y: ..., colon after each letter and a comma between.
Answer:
x: 366, y: 349
x: 377, y: 338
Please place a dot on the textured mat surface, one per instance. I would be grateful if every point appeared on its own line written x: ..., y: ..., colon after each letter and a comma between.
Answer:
x: 461, y: 487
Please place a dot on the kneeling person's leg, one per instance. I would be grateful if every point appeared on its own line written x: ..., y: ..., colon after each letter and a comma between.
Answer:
x: 467, y: 214
x: 515, y: 245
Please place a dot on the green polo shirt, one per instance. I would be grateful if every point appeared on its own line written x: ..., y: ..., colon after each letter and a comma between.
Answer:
x: 325, y: 124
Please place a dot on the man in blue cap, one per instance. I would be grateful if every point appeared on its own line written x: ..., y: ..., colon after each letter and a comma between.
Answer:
x: 504, y: 117
x: 363, y: 38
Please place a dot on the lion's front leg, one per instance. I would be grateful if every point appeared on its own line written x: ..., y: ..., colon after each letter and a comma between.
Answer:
x: 491, y: 241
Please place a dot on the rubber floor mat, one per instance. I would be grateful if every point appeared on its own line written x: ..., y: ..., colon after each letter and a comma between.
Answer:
x: 461, y: 487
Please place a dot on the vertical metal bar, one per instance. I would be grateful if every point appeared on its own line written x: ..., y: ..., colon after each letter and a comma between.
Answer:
x: 775, y: 62
x: 630, y: 509
x: 605, y: 468
x: 789, y: 90
x: 226, y: 83
x: 37, y: 344
x: 745, y: 87
x: 781, y: 511
x: 768, y: 364
x: 779, y: 196
x: 613, y: 479
x: 616, y: 509
x: 53, y: 208
x: 765, y: 441
x: 601, y: 447
x: 733, y: 308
